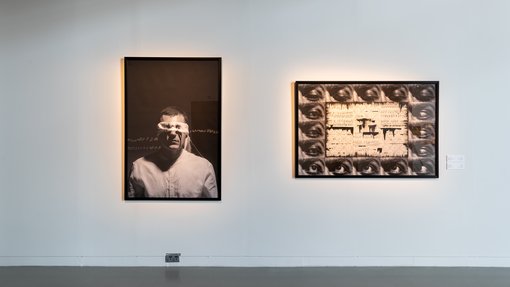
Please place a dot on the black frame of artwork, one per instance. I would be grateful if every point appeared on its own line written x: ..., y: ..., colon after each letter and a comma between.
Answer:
x: 193, y: 84
x: 366, y: 129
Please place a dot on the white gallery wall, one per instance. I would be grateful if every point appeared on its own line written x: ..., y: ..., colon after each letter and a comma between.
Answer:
x: 61, y: 133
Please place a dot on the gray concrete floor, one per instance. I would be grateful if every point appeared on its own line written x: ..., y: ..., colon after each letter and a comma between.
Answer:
x: 260, y: 277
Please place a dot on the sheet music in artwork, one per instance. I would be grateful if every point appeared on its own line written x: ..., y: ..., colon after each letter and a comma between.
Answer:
x: 362, y: 129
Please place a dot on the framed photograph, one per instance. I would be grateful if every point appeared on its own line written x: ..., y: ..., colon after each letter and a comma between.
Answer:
x: 172, y: 128
x: 366, y: 129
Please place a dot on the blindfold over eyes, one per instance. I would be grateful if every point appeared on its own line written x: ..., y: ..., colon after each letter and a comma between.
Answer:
x: 173, y: 127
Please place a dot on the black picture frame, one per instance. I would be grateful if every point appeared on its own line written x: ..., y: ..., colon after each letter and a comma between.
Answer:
x: 366, y: 129
x: 193, y: 86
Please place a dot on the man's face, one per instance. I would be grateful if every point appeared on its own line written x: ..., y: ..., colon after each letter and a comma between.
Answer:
x: 173, y: 132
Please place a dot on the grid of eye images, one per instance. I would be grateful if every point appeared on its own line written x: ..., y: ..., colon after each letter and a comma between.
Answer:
x: 366, y: 129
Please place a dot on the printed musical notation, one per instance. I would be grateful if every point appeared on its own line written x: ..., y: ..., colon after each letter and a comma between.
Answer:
x: 363, y: 129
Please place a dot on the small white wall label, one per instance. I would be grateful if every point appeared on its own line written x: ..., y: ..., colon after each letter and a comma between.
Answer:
x: 455, y: 161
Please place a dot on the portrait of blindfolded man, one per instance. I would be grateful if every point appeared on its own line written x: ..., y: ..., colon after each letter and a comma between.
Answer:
x: 173, y: 171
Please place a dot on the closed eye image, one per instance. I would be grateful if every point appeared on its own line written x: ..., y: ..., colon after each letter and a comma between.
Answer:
x: 369, y: 93
x: 312, y: 93
x: 423, y: 93
x: 341, y: 93
x: 311, y: 130
x: 396, y: 93
x: 313, y: 112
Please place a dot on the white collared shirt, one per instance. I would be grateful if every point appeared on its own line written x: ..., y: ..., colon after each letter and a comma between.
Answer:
x: 190, y: 176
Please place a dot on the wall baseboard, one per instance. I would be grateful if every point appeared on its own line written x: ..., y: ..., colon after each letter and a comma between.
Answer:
x: 259, y: 261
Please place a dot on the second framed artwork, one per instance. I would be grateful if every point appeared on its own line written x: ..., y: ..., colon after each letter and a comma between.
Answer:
x: 366, y: 129
x: 172, y: 128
